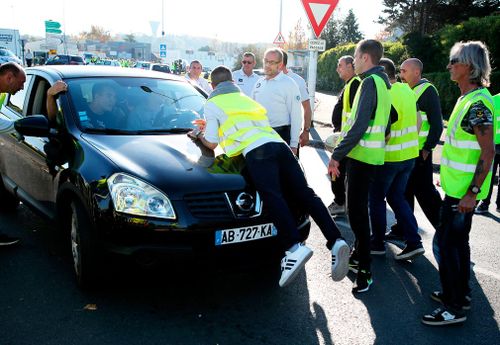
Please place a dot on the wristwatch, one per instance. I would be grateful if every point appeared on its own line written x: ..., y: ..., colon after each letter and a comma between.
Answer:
x: 475, y: 189
x: 307, y: 129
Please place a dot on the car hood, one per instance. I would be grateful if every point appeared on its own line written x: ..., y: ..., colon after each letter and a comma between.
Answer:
x: 173, y: 163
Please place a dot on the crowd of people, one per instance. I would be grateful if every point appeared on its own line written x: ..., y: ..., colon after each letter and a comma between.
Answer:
x: 387, y: 129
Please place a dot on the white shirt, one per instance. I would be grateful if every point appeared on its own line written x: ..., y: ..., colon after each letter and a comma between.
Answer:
x: 301, y: 83
x: 244, y: 82
x: 201, y: 82
x: 281, y: 98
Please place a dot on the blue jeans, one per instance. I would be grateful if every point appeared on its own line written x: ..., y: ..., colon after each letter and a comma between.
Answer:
x: 452, y: 238
x: 273, y: 168
x: 390, y: 182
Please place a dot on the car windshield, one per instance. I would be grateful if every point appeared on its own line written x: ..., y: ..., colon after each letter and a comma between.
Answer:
x: 135, y: 105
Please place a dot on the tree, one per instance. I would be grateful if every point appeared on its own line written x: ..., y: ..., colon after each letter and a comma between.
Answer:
x: 331, y: 33
x: 96, y: 33
x: 349, y: 29
x: 205, y: 49
x: 428, y: 16
x: 130, y: 38
x: 297, y: 37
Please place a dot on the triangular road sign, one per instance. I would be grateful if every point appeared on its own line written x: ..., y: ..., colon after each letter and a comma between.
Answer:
x: 279, y: 39
x: 318, y: 12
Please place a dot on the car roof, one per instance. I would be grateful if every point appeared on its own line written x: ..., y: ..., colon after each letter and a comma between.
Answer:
x: 89, y: 71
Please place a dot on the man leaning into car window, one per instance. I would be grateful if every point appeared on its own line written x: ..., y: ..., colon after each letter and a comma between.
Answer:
x: 12, y: 78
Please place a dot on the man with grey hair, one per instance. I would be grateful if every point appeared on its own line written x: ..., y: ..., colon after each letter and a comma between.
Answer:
x: 465, y: 177
x: 421, y: 183
x: 341, y: 110
x: 245, y: 78
x: 280, y: 95
x: 240, y: 126
x: 12, y: 79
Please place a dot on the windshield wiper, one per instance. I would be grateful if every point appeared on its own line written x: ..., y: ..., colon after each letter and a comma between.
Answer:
x: 174, y: 100
x: 108, y: 131
x: 164, y: 130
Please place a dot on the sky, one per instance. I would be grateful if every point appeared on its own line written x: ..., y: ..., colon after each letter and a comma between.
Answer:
x: 242, y: 21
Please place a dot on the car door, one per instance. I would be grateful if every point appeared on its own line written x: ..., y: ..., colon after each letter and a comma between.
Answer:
x: 37, y: 175
x: 12, y: 110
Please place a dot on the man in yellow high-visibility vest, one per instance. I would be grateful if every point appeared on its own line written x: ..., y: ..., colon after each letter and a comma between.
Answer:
x: 363, y: 140
x: 465, y: 177
x: 240, y: 126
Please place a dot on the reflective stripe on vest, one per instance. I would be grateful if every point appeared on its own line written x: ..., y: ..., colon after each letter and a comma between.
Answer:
x: 403, y: 143
x: 346, y: 105
x: 424, y: 129
x: 496, y: 116
x: 370, y: 149
x: 461, y: 150
x: 246, y: 122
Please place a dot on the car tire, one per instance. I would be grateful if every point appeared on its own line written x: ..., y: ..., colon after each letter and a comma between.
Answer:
x: 8, y: 201
x: 84, y: 248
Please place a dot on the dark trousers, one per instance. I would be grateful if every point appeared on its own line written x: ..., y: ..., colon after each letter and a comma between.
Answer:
x: 421, y: 186
x: 452, y: 237
x: 390, y: 182
x: 273, y: 167
x: 359, y: 179
x: 338, y: 186
x: 284, y: 132
x: 496, y: 164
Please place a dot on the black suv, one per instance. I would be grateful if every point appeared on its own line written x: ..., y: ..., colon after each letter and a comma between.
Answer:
x: 133, y: 183
x: 65, y: 60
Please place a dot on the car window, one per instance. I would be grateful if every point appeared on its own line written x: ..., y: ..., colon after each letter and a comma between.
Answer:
x: 17, y: 101
x: 134, y: 104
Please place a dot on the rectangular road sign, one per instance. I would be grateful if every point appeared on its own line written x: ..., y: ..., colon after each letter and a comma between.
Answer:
x: 318, y: 45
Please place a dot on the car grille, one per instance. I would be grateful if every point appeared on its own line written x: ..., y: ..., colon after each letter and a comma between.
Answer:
x: 208, y: 206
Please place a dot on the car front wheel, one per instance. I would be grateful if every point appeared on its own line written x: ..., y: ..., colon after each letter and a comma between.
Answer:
x: 84, y: 249
x: 8, y: 202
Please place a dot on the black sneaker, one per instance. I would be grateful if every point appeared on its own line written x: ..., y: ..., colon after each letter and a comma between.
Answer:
x: 353, y: 265
x: 443, y: 316
x: 410, y: 252
x: 394, y: 236
x: 377, y: 249
x: 482, y: 208
x: 363, y: 282
x: 7, y: 240
x: 438, y: 297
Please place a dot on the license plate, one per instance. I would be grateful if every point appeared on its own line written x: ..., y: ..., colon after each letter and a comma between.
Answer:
x: 245, y: 234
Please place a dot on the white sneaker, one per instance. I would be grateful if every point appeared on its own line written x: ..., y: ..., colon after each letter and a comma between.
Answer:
x: 335, y: 209
x: 292, y: 263
x: 340, y: 259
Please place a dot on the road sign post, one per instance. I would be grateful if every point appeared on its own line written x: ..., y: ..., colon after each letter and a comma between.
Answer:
x: 318, y: 12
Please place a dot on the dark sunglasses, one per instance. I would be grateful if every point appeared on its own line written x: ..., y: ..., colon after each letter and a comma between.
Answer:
x: 246, y: 62
x: 454, y: 61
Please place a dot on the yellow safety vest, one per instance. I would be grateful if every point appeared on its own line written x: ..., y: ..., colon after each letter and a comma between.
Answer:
x: 246, y: 122
x: 461, y: 150
x: 371, y: 147
x: 346, y: 104
x: 403, y: 143
x: 424, y: 129
x: 496, y: 119
x: 2, y: 98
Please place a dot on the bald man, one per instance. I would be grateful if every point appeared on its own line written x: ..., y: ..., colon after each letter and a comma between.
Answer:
x: 12, y: 78
x: 421, y: 184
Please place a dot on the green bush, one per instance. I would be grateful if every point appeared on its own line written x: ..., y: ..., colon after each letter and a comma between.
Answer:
x: 449, y: 91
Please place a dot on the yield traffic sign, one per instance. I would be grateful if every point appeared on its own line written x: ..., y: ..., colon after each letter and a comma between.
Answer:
x: 318, y: 12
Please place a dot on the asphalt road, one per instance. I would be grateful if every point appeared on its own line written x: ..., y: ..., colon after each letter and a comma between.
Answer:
x: 203, y: 302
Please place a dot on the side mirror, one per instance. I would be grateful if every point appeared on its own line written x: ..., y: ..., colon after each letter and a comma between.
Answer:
x: 33, y: 126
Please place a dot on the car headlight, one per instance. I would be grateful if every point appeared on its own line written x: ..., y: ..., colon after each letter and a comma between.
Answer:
x: 133, y: 196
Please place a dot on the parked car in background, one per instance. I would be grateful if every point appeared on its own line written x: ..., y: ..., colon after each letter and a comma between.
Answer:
x: 107, y: 62
x: 143, y: 65
x: 62, y: 59
x: 160, y: 67
x: 8, y: 56
x: 132, y: 183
